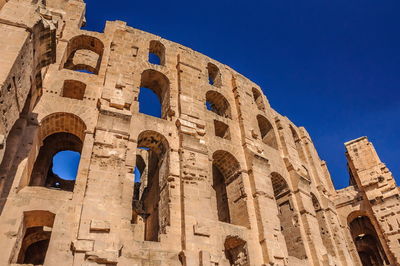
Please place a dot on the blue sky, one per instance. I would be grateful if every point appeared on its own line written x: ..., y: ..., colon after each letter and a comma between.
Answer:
x: 65, y: 164
x: 331, y: 66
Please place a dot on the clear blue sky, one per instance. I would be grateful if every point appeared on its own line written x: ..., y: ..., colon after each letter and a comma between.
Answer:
x: 331, y: 66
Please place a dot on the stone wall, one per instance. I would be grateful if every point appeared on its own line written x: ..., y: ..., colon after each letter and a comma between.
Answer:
x: 225, y: 179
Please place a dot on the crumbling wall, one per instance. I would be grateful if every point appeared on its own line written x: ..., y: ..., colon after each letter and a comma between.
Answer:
x: 209, y: 193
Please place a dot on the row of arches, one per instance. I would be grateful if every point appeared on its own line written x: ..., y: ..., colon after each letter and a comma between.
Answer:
x: 63, y: 131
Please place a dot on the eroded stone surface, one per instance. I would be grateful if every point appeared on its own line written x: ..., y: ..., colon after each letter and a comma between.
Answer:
x: 225, y: 179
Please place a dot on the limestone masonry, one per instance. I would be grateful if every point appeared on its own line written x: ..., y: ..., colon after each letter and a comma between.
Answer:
x: 225, y: 179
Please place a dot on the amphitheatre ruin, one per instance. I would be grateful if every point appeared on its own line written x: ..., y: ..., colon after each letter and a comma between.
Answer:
x: 224, y: 178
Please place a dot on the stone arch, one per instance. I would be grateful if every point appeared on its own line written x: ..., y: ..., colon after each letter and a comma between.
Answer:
x: 288, y: 216
x: 366, y: 239
x: 214, y: 75
x: 34, y: 237
x: 218, y: 104
x: 267, y: 132
x: 228, y: 190
x: 236, y: 251
x: 258, y: 99
x: 58, y: 132
x: 151, y: 194
x: 84, y: 53
x: 62, y: 122
x: 298, y: 146
x: 158, y: 49
x: 159, y: 84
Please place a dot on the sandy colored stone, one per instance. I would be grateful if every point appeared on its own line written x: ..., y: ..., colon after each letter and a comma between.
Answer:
x: 238, y: 184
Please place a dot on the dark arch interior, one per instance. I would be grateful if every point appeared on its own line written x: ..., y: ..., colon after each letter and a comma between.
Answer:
x: 219, y: 187
x: 152, y: 163
x: 267, y: 132
x: 36, y: 235
x: 227, y: 194
x: 42, y: 173
x: 288, y: 218
x: 217, y: 103
x: 367, y: 242
x: 258, y: 99
x: 236, y: 251
x: 214, y: 75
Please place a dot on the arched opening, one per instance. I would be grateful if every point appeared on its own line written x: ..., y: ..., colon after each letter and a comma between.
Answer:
x: 35, y: 237
x: 152, y: 162
x: 258, y: 99
x: 154, y: 94
x: 217, y: 103
x: 84, y: 54
x: 290, y: 226
x: 323, y: 226
x: 58, y: 159
x: 228, y: 191
x: 236, y: 251
x: 157, y: 53
x: 222, y: 130
x: 367, y: 241
x: 73, y: 89
x: 140, y: 183
x: 267, y: 132
x: 297, y: 142
x: 214, y: 75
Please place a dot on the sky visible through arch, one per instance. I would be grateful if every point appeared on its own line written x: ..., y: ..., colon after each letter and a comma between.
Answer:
x: 330, y: 66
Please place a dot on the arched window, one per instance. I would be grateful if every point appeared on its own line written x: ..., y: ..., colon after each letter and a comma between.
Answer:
x: 236, y: 251
x: 289, y: 219
x: 366, y: 240
x: 267, y: 132
x: 74, y: 89
x: 35, y: 237
x: 258, y: 99
x: 297, y: 142
x: 228, y: 189
x: 156, y: 84
x: 214, y: 75
x: 157, y: 53
x: 217, y: 103
x: 153, y: 163
x: 62, y: 135
x: 84, y: 54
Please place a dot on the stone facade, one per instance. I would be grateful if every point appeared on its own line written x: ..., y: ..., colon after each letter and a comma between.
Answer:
x: 230, y: 182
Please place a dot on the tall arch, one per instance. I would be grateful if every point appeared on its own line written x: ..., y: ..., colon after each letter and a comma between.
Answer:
x: 156, y: 49
x: 214, y: 75
x: 159, y: 84
x: 34, y: 237
x: 157, y: 169
x: 366, y: 240
x: 258, y: 99
x: 58, y: 132
x: 289, y: 219
x: 267, y: 132
x: 228, y: 191
x: 84, y: 53
x: 297, y: 142
x: 217, y: 103
x: 236, y: 251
